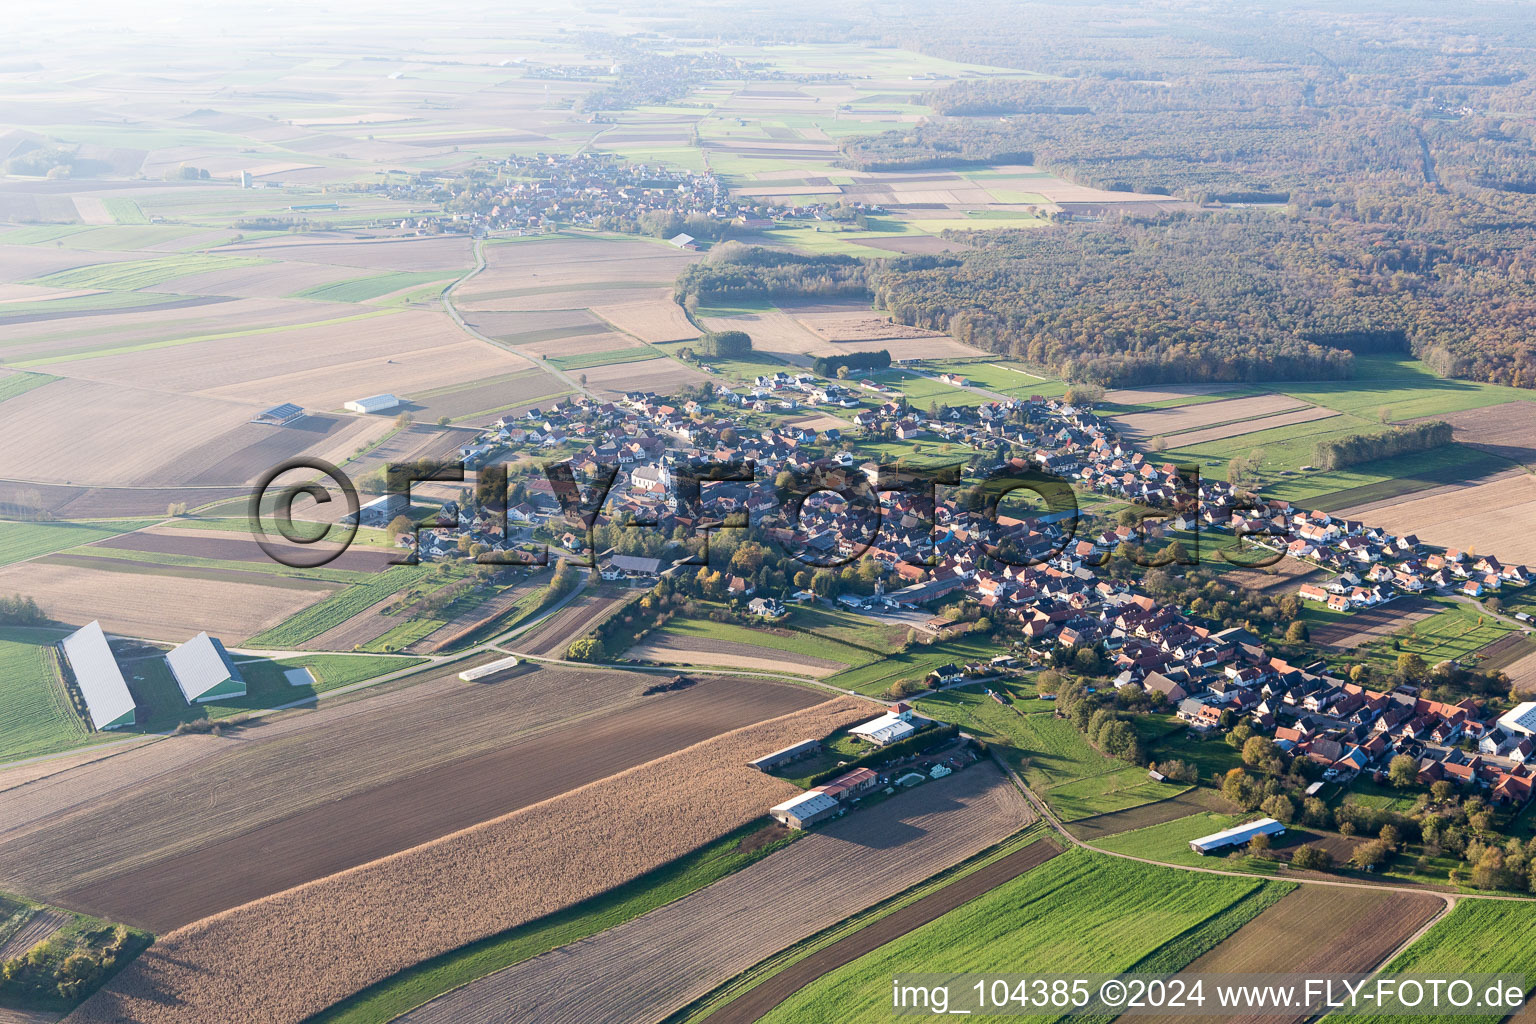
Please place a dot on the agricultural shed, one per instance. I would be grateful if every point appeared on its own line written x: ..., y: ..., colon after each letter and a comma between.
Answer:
x: 373, y: 403
x: 784, y: 755
x: 805, y: 810
x: 1236, y: 836
x: 1521, y: 720
x: 279, y: 415
x: 204, y: 671
x: 100, y: 680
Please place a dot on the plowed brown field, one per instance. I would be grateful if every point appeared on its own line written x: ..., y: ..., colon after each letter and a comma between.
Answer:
x: 658, y: 963
x: 286, y: 957
x: 178, y: 860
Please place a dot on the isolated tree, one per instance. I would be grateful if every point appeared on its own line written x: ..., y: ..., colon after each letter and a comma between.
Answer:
x: 1403, y: 771
x: 1297, y: 632
x: 1311, y: 858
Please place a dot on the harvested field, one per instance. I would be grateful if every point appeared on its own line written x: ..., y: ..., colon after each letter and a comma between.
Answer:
x: 755, y: 1003
x: 37, y: 929
x: 855, y: 324
x: 320, y: 366
x: 216, y: 546
x: 1184, y: 418
x: 128, y: 435
x: 440, y: 252
x: 266, y: 281
x: 1369, y: 624
x: 417, y: 904
x: 527, y: 328
x: 1250, y: 426
x: 486, y: 397
x: 1196, y: 801
x: 662, y: 376
x: 1347, y: 931
x: 190, y: 884
x: 1164, y: 393
x: 1504, y: 652
x: 418, y: 441
x: 550, y: 637
x: 1523, y: 674
x: 688, y: 650
x: 158, y: 607
x: 654, y: 322
x: 1284, y: 576
x: 914, y: 245
x: 241, y: 454
x: 646, y: 968
x: 819, y: 423
x: 1507, y: 430
x: 1492, y: 517
x: 583, y: 345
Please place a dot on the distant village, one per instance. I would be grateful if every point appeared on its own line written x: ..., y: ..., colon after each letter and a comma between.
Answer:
x: 535, y: 193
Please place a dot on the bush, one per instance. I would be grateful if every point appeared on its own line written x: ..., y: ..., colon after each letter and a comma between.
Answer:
x: 1312, y: 858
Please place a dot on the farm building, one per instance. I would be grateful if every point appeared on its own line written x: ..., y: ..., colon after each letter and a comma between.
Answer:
x: 892, y: 727
x: 805, y: 810
x: 793, y: 752
x: 373, y: 404
x: 98, y: 677
x: 850, y: 784
x: 279, y: 415
x: 379, y: 511
x: 635, y: 566
x: 1236, y: 836
x: 1522, y: 720
x: 204, y: 671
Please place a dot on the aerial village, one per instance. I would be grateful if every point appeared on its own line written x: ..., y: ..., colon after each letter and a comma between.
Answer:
x: 927, y: 555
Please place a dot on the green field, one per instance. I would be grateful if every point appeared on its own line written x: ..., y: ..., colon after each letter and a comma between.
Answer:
x: 336, y: 609
x: 1080, y: 912
x: 1405, y: 387
x: 131, y: 275
x: 414, y: 986
x: 35, y: 715
x: 15, y: 384
x: 1114, y: 791
x: 1389, y: 478
x: 879, y: 676
x: 802, y: 644
x: 1477, y: 937
x: 1453, y: 633
x: 361, y: 289
x: 19, y: 541
x: 622, y: 355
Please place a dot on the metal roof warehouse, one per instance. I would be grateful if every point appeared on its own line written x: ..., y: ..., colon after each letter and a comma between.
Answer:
x: 98, y: 677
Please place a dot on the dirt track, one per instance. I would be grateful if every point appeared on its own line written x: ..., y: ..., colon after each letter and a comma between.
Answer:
x: 646, y: 968
x: 756, y: 1003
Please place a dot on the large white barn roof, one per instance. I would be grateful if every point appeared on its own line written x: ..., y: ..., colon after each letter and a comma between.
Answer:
x: 96, y: 673
x: 1522, y: 719
x: 199, y: 665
